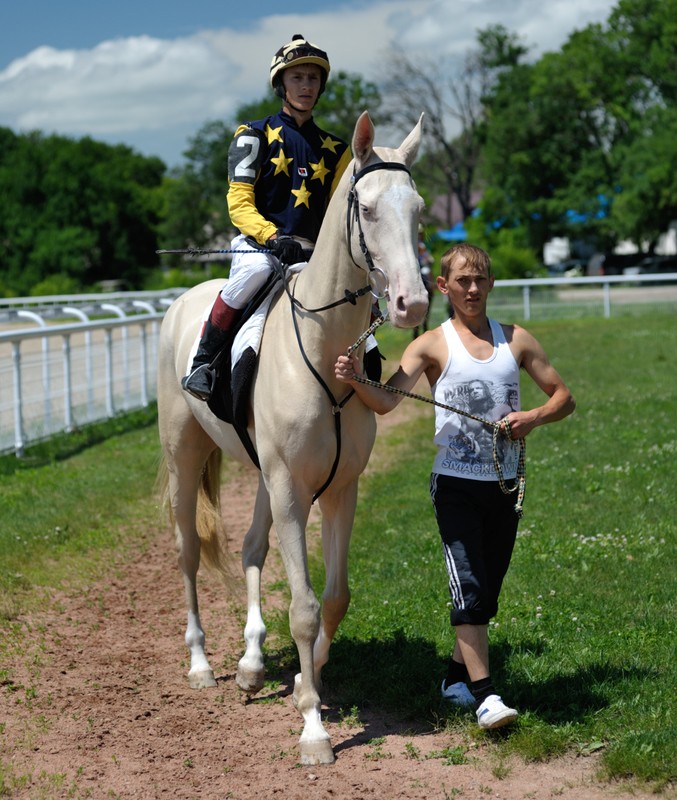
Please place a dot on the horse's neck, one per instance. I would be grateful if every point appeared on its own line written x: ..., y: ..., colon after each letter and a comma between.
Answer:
x: 332, y: 268
x: 329, y: 275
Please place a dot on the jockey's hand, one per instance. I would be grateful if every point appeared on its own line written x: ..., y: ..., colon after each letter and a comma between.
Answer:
x: 287, y: 250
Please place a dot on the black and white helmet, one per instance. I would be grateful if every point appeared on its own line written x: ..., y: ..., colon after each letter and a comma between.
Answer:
x: 297, y: 52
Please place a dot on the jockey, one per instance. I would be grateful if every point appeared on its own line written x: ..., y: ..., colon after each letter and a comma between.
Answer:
x: 282, y: 172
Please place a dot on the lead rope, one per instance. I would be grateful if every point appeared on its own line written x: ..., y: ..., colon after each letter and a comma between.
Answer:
x: 520, y: 483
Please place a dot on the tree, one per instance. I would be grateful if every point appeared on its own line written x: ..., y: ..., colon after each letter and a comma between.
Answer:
x: 452, y: 100
x: 347, y: 95
x: 647, y: 204
x: 79, y: 208
x: 579, y: 142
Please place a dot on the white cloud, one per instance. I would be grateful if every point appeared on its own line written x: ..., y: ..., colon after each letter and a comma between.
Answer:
x: 148, y: 92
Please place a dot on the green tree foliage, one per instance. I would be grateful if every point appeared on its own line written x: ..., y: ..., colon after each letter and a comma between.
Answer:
x: 492, y: 228
x: 80, y: 209
x: 648, y: 174
x: 581, y: 143
x: 194, y: 211
x: 347, y: 95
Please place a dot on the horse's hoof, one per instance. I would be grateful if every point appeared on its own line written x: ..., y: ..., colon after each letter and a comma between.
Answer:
x: 250, y: 681
x: 316, y: 753
x: 201, y: 680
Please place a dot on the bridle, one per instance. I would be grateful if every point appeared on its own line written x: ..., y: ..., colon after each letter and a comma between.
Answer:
x: 378, y: 287
x: 353, y: 216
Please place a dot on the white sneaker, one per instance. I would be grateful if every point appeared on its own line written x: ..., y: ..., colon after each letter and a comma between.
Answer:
x: 458, y: 694
x: 493, y: 713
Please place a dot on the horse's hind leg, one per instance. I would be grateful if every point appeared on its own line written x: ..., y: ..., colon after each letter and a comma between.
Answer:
x: 186, y: 454
x: 250, y: 669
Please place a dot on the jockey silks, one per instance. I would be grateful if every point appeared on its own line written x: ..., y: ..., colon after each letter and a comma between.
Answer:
x: 289, y: 171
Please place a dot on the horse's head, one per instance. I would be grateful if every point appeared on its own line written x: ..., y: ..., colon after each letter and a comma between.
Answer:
x: 383, y: 221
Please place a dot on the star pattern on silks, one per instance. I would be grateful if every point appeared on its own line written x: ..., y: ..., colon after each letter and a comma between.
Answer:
x: 302, y: 196
x: 282, y: 163
x: 273, y: 134
x: 329, y: 144
x: 320, y: 172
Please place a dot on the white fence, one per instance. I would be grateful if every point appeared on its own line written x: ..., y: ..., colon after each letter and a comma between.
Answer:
x: 573, y: 298
x: 57, y: 376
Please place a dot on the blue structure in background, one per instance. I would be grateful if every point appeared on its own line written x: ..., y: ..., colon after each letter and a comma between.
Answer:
x: 455, y: 234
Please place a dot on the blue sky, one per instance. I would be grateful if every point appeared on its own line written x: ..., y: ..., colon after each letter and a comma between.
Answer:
x: 65, y: 24
x: 149, y: 73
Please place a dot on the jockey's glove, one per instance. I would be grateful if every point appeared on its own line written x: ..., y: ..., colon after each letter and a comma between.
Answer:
x: 287, y: 250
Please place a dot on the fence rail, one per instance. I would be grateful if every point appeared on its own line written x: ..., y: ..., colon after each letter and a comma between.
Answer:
x: 570, y: 298
x: 56, y: 377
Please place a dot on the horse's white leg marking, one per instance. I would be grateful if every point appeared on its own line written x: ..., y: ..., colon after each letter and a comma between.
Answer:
x: 338, y: 513
x: 200, y: 675
x: 250, y: 669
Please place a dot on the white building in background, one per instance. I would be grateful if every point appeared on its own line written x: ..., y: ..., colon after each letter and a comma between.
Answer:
x: 558, y: 249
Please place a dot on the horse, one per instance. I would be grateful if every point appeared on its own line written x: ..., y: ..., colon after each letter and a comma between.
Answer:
x: 312, y: 439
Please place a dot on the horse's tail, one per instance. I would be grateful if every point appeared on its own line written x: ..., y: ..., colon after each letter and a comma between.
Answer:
x: 208, y: 519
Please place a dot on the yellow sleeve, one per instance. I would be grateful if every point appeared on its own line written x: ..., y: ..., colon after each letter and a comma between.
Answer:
x: 244, y: 214
x: 345, y: 159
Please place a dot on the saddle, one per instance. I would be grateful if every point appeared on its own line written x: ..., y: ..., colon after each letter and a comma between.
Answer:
x: 234, y: 366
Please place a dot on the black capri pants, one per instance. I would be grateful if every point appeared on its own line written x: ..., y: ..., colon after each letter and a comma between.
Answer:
x: 478, y: 526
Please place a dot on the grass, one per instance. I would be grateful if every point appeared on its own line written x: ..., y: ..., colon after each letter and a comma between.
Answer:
x: 584, y: 640
x: 106, y: 473
x: 583, y: 643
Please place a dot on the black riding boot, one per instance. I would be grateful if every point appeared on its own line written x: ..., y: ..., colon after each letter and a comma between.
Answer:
x: 200, y: 380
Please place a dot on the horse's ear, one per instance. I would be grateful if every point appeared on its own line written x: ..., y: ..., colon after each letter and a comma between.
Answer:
x: 408, y: 150
x: 363, y: 138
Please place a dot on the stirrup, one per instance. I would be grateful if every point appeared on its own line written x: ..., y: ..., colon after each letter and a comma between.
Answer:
x: 194, y: 383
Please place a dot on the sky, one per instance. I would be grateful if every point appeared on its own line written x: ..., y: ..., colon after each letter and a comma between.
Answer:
x: 151, y: 73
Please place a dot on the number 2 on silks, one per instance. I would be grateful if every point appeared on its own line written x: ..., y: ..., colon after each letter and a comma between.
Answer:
x: 243, y: 170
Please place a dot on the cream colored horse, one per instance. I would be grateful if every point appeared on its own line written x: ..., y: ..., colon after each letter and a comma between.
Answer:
x: 292, y: 419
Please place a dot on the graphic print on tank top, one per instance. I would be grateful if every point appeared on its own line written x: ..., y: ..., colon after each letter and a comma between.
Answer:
x: 485, y: 388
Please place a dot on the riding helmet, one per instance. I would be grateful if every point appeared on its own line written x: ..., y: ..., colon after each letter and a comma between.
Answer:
x: 298, y: 51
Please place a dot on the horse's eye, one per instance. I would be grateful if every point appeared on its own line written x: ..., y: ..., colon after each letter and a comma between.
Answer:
x: 366, y: 212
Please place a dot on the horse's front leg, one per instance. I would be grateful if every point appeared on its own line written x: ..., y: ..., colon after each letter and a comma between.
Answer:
x: 250, y: 669
x: 338, y: 514
x: 290, y: 514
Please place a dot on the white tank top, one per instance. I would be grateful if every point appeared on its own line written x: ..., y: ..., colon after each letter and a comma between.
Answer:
x: 488, y: 389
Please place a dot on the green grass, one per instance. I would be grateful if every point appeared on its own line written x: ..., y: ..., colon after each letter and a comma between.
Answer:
x: 584, y: 641
x: 73, y: 500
